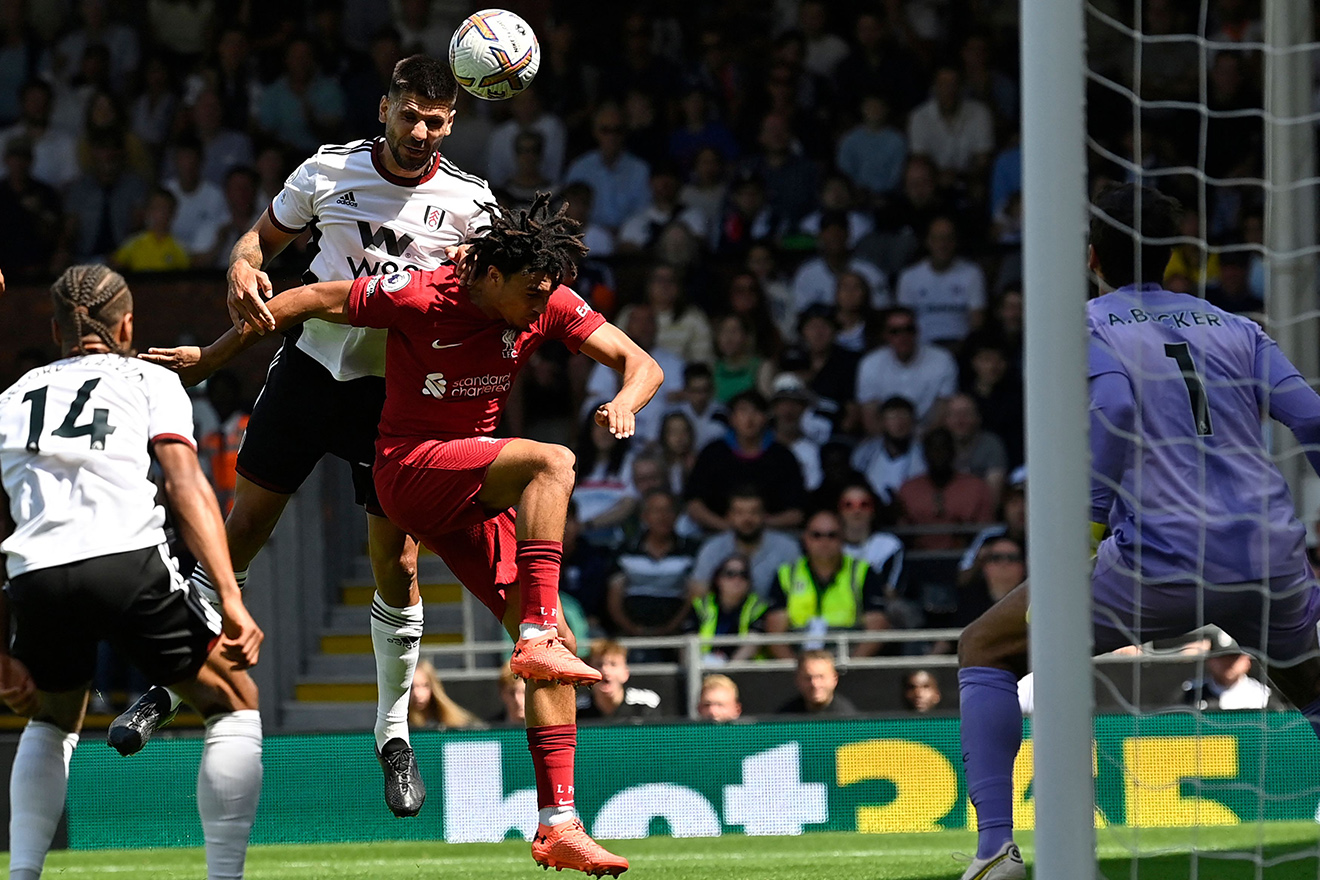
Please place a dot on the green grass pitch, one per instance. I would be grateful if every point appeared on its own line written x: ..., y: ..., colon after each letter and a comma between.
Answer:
x: 1289, y: 852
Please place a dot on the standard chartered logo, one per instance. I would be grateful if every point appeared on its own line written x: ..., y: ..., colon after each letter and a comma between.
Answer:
x: 434, y: 385
x: 438, y: 386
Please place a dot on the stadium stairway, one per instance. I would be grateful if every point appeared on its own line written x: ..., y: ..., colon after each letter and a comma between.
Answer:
x: 337, y: 689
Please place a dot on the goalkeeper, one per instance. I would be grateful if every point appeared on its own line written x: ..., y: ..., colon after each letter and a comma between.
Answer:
x: 1201, y: 525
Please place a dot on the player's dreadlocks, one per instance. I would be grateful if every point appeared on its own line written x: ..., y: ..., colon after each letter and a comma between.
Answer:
x: 91, y: 300
x: 533, y: 239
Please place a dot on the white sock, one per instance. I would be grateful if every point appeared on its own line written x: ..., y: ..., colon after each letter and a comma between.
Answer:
x: 396, y: 639
x: 532, y: 631
x: 228, y: 789
x: 37, y: 787
x: 555, y: 815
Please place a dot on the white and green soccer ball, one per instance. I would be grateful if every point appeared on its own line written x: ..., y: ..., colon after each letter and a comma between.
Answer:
x: 494, y: 54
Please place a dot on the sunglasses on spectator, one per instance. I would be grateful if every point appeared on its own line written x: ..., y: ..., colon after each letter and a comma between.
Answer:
x: 823, y: 536
x: 900, y: 329
x: 734, y: 573
x: 1003, y: 557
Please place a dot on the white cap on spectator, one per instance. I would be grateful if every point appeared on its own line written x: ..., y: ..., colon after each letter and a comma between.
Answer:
x: 787, y: 386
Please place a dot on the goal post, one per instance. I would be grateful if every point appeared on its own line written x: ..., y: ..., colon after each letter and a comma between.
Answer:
x: 1054, y: 235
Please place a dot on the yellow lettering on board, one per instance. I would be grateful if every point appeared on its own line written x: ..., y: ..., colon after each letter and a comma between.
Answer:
x: 926, y: 782
x: 1154, y: 768
x: 1024, y: 805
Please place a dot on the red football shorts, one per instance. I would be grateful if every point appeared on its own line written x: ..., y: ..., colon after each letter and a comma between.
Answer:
x: 430, y: 491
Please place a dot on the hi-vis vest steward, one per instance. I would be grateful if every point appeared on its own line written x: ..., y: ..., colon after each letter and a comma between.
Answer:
x: 708, y: 614
x: 837, y: 604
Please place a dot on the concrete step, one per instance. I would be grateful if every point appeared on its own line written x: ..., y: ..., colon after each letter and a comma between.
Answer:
x: 434, y: 592
x: 357, y: 618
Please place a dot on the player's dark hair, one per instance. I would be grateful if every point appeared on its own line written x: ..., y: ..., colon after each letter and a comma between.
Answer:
x: 1123, y: 248
x: 424, y: 77
x: 531, y: 239
x: 90, y: 300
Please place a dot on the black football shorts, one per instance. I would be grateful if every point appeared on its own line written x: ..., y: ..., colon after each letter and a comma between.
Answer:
x: 137, y: 601
x: 303, y: 414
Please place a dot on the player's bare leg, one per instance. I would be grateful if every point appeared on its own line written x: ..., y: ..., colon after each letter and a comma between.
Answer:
x: 248, y: 527
x: 40, y: 778
x: 396, y: 635
x: 992, y: 656
x: 537, y: 479
x: 551, y: 717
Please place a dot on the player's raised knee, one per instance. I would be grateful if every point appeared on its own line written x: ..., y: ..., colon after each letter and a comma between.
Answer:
x: 557, y: 461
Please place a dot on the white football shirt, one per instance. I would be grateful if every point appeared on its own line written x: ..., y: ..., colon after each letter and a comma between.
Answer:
x: 75, y: 448
x: 367, y: 221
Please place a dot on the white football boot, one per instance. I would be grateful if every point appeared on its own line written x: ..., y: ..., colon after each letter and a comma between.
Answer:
x: 1003, y: 865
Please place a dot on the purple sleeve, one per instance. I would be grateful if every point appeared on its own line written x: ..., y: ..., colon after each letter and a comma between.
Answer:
x: 1113, y: 409
x: 1289, y: 398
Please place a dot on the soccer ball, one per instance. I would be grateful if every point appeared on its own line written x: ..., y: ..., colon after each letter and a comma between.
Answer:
x: 494, y: 54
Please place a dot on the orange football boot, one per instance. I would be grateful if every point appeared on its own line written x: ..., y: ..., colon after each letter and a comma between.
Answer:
x: 567, y: 845
x: 545, y: 658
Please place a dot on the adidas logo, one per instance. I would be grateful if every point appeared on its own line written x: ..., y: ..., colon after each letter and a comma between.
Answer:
x: 347, y: 199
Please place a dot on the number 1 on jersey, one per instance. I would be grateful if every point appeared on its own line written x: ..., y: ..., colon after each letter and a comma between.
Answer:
x: 96, y: 430
x: 1181, y: 353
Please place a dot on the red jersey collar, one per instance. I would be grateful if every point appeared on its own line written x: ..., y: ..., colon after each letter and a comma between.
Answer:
x: 378, y: 163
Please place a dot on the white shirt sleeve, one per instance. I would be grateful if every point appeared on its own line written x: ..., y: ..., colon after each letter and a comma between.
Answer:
x: 169, y: 409
x: 295, y: 206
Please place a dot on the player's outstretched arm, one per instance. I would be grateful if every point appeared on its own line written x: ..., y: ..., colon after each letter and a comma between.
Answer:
x: 249, y: 286
x: 324, y: 300
x: 642, y: 376
x: 203, y: 531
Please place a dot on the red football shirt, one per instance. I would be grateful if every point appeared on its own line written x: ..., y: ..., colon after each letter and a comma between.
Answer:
x: 448, y: 367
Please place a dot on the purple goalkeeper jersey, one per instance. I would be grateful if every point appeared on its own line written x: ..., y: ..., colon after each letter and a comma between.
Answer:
x: 1180, y: 468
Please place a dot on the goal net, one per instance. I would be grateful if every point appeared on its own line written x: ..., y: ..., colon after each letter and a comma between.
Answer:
x: 1211, y: 102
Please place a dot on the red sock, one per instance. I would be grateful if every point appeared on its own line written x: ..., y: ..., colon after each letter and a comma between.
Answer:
x: 552, y: 751
x: 538, y: 577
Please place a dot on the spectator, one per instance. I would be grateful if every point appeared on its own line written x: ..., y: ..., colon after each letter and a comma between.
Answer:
x: 719, y: 699
x: 581, y: 202
x: 152, y: 112
x: 828, y: 369
x: 858, y: 321
x: 748, y: 300
x: 617, y: 178
x: 697, y: 402
x: 775, y: 283
x: 642, y: 230
x: 181, y: 27
x: 976, y: 451
x: 119, y: 41
x: 859, y: 516
x: 1191, y: 267
x: 528, y: 116
x: 699, y: 130
x: 902, y: 218
x: 20, y: 50
x: 730, y: 608
x: 872, y: 152
x: 957, y: 133
x: 826, y: 589
x: 837, y: 474
x: 1001, y: 565
x: 789, y: 404
x: 648, y: 594
x: 1232, y: 292
x: 921, y: 692
x: 430, y: 706
x: 527, y: 179
x: 102, y: 205
x: 825, y: 50
x: 153, y: 249
x: 603, y: 492
x: 998, y: 395
x: 639, y: 322
x: 30, y: 227
x: 945, y: 291
x: 1002, y: 329
x: 737, y: 366
x: 513, y: 698
x: 942, y: 497
x: 816, y: 279
x: 836, y: 197
x: 200, y: 204
x: 103, y: 116
x: 219, y: 449
x: 747, y: 455
x: 1012, y: 523
x: 611, y: 699
x: 890, y: 455
x: 682, y: 328
x: 925, y: 374
x: 272, y: 168
x: 302, y: 109
x: 233, y: 78
x: 790, y: 177
x: 646, y: 134
x: 214, y: 243
x: 880, y: 64
x: 1227, y: 684
x: 677, y: 451
x: 222, y: 148
x: 748, y: 536
x: 585, y: 571
x: 419, y: 30
x: 982, y: 82
x: 54, y: 151
x: 367, y: 81
x: 817, y: 683
x: 706, y: 189
x: 749, y: 218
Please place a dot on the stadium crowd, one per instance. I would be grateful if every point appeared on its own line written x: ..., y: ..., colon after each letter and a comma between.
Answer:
x: 808, y: 213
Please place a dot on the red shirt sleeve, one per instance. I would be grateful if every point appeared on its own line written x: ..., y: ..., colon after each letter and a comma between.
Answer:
x: 379, y: 300
x: 569, y: 319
